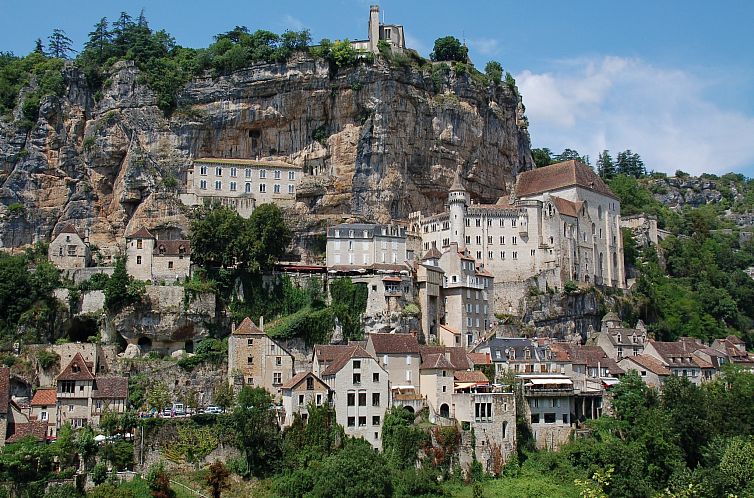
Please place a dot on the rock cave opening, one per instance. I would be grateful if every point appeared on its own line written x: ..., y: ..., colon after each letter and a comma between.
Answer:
x: 145, y: 344
x: 79, y: 329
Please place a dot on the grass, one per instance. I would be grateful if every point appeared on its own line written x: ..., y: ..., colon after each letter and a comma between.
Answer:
x: 525, y: 486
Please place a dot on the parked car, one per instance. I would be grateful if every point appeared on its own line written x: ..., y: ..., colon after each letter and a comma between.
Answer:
x: 215, y: 410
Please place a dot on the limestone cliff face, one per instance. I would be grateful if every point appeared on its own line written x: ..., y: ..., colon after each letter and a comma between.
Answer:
x: 376, y: 143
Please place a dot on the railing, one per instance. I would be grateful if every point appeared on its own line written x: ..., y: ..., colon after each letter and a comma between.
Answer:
x: 548, y: 392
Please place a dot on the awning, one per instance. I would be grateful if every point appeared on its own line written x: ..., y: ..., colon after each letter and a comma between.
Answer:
x: 391, y: 279
x: 610, y: 381
x: 465, y: 385
x: 545, y: 381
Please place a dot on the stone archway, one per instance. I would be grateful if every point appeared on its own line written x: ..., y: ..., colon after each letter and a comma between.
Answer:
x: 445, y: 410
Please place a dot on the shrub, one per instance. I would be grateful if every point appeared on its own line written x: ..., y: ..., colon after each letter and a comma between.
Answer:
x: 494, y: 71
x: 571, y: 287
x: 449, y: 48
x: 47, y: 359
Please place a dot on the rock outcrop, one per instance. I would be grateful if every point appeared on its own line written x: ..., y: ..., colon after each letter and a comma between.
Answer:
x: 375, y: 141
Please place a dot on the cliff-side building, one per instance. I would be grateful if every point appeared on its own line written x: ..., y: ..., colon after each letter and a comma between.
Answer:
x: 68, y: 249
x: 392, y: 34
x: 241, y: 184
x: 561, y: 223
x: 149, y: 258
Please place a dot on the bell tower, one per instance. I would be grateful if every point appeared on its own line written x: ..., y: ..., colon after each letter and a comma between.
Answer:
x: 458, y: 199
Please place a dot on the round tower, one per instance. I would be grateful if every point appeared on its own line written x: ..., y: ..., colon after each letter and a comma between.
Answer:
x: 458, y: 199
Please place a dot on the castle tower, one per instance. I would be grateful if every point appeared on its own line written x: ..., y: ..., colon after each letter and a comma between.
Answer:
x: 374, y: 27
x: 458, y: 199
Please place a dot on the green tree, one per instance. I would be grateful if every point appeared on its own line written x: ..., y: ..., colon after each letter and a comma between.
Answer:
x: 268, y: 236
x: 59, y: 45
x: 223, y: 395
x: 121, y: 289
x: 355, y: 471
x: 630, y: 164
x: 449, y: 48
x: 541, y: 157
x: 308, y: 442
x: 343, y: 54
x: 159, y: 482
x: 255, y: 429
x: 158, y: 397
x: 494, y: 72
x: 215, y: 232
x: 39, y: 47
x: 100, y: 39
x: 217, y: 478
x: 401, y: 440
x: 605, y: 165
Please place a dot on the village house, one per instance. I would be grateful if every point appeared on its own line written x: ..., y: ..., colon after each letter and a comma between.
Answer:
x: 390, y: 34
x: 429, y: 280
x: 619, y: 342
x: 149, y: 258
x: 561, y: 223
x: 679, y: 358
x: 303, y: 390
x: 361, y: 393
x: 44, y: 408
x: 256, y: 360
x: 68, y: 249
x: 650, y: 369
x: 735, y: 350
x: 516, y: 355
x: 14, y: 423
x: 399, y: 355
x: 549, y: 407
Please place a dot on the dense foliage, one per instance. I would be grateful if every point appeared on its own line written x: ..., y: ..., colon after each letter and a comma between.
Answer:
x: 449, y: 48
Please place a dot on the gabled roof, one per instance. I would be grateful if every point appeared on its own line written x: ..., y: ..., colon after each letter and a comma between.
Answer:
x: 44, y: 396
x: 566, y: 207
x: 327, y: 353
x: 36, y: 429
x: 77, y: 369
x: 471, y: 376
x: 649, y: 363
x: 433, y: 253
x: 111, y: 388
x: 611, y: 317
x: 354, y: 353
x: 558, y: 176
x: 299, y: 378
x: 172, y: 248
x: 394, y: 343
x: 247, y: 327
x: 590, y: 356
x: 141, y: 233
x: 678, y: 349
x: 4, y: 389
x: 459, y: 359
x: 735, y: 340
x: 70, y: 228
x: 479, y: 358
x: 435, y: 361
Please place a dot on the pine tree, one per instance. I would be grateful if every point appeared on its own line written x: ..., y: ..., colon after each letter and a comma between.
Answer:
x: 38, y: 47
x: 630, y: 164
x: 100, y: 38
x: 60, y: 46
x: 605, y: 165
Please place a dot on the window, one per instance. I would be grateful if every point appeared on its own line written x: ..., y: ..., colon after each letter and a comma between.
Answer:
x: 319, y: 399
x: 218, y: 171
x: 249, y: 360
x: 362, y: 421
x: 489, y: 239
x: 357, y: 378
x: 218, y: 185
x: 513, y: 224
x: 139, y: 243
x: 375, y: 420
x: 565, y: 418
x: 138, y: 260
x: 478, y: 240
x: 535, y: 418
x: 376, y: 377
x: 70, y: 408
x: 233, y: 172
x: 490, y: 254
x: 291, y: 175
x: 203, y: 184
x: 483, y: 412
x: 276, y: 189
x: 362, y: 399
x: 233, y: 187
x: 515, y: 255
x: 513, y: 241
x: 170, y: 265
x: 555, y: 402
x: 247, y: 188
x: 247, y: 173
x: 262, y: 187
x: 277, y: 174
x: 291, y: 188
x: 468, y: 239
x: 356, y: 364
x: 549, y: 418
x: 278, y: 360
x: 375, y: 399
x: 351, y: 421
x: 263, y: 173
x: 203, y: 170
x: 309, y: 384
x: 43, y: 416
x: 351, y: 401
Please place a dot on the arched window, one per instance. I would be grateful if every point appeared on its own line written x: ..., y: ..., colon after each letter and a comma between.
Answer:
x: 599, y: 212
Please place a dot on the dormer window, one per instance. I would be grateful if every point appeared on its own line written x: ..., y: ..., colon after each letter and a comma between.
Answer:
x: 619, y: 337
x: 162, y: 249
x: 181, y: 250
x: 75, y: 368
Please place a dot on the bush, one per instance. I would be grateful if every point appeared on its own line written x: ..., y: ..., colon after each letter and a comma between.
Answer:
x: 99, y: 473
x: 571, y: 287
x: 47, y: 359
x: 494, y: 71
x: 449, y: 48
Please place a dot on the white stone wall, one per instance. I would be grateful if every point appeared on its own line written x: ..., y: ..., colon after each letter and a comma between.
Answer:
x: 161, y: 268
x: 67, y: 251
x: 139, y: 258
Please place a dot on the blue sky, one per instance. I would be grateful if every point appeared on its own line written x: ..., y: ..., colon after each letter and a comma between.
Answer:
x: 671, y: 80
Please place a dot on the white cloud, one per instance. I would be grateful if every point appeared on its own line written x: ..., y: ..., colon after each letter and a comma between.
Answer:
x: 617, y: 103
x: 485, y: 46
x: 293, y: 23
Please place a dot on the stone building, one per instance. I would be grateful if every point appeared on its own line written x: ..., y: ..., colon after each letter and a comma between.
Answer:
x: 391, y: 34
x: 429, y: 280
x: 561, y: 223
x: 256, y: 360
x: 365, y: 245
x: 617, y: 341
x: 68, y: 250
x: 301, y: 391
x: 549, y: 407
x: 650, y: 369
x: 678, y: 357
x: 44, y: 408
x: 149, y: 258
x: 241, y: 184
x: 399, y: 355
x: 361, y: 393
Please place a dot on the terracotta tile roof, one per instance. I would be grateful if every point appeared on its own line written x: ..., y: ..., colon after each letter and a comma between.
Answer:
x: 591, y: 356
x: 70, y: 228
x: 250, y: 162
x: 435, y: 361
x: 735, y: 340
x: 330, y: 352
x: 45, y: 396
x: 353, y: 353
x: 675, y: 350
x: 484, y: 272
x: 111, y: 388
x: 452, y: 331
x: 560, y: 175
x: 4, y: 389
x: 299, y: 377
x: 458, y: 357
x: 394, y: 343
x: 650, y: 363
x: 37, y: 429
x: 569, y: 208
x: 172, y: 248
x: 247, y: 327
x: 141, y: 233
x: 77, y: 369
x: 433, y: 253
x: 480, y: 358
x: 471, y: 376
